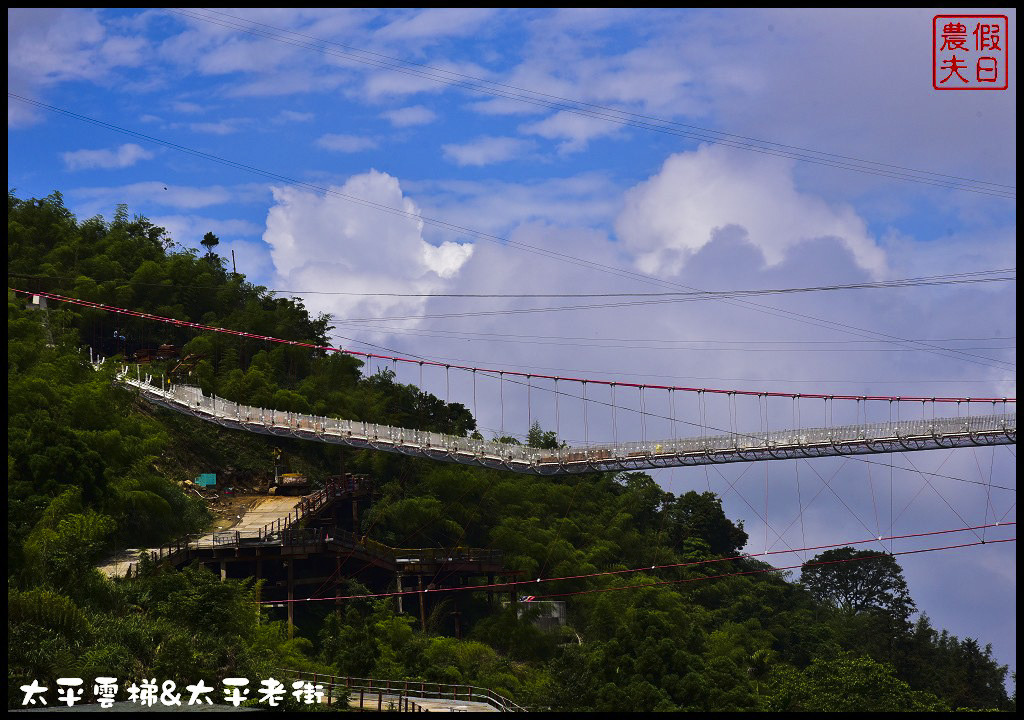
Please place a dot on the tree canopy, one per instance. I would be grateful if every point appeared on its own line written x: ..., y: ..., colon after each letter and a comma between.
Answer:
x: 859, y: 581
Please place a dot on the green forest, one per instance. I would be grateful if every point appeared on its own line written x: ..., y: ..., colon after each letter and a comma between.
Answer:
x: 91, y: 468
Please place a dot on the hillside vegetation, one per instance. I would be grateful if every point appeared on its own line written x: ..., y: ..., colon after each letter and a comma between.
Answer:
x: 90, y: 468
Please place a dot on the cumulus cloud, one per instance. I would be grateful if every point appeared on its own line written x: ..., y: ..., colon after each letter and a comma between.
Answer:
x: 588, y: 200
x: 446, y: 258
x: 327, y: 243
x: 486, y: 150
x: 121, y: 157
x: 676, y: 212
x: 346, y: 143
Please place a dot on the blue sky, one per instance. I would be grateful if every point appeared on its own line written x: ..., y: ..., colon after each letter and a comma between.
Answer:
x: 338, y: 100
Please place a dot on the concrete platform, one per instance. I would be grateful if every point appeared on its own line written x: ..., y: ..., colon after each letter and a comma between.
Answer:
x: 264, y: 511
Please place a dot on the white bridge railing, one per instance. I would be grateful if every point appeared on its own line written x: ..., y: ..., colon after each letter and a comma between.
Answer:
x: 993, y: 429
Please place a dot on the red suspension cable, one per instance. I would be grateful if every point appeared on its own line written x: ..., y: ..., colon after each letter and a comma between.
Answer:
x: 397, y: 359
x: 516, y: 583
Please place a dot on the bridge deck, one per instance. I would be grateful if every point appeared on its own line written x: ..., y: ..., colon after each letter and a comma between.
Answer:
x: 907, y: 435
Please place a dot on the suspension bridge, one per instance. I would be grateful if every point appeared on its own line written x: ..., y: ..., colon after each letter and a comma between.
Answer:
x: 840, y: 440
x: 719, y: 428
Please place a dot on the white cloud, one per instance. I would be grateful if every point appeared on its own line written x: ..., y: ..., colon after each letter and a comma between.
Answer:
x: 286, y: 82
x: 54, y: 45
x: 252, y: 256
x: 576, y: 130
x: 328, y: 243
x: 244, y: 55
x: 836, y: 107
x: 224, y: 127
x: 447, y: 258
x: 505, y: 106
x: 566, y: 59
x: 262, y: 67
x: 486, y: 150
x: 346, y: 143
x: 388, y: 84
x: 410, y: 116
x: 122, y: 157
x: 286, y: 116
x: 678, y: 211
x: 186, y: 107
x: 436, y: 23
x: 589, y: 200
x: 188, y: 230
x: 50, y: 46
x: 92, y: 200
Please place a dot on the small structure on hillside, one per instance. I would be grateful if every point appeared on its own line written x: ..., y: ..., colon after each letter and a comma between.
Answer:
x: 207, y: 480
x: 292, y: 484
x: 148, y: 355
x: 546, y: 614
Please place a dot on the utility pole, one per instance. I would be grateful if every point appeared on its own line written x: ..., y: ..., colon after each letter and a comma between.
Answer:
x: 277, y: 460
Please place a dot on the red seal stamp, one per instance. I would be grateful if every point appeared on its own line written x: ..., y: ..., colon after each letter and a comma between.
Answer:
x: 970, y: 52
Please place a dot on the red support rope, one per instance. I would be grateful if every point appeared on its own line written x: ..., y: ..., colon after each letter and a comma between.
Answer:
x: 696, y: 563
x: 768, y: 570
x: 753, y: 393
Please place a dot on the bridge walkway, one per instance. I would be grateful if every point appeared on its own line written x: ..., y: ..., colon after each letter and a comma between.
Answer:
x: 868, y: 438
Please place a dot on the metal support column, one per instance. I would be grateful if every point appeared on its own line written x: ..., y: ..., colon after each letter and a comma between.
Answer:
x: 291, y: 597
x: 423, y: 605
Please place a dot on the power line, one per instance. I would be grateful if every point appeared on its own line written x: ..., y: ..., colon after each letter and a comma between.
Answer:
x: 697, y: 563
x: 659, y: 343
x: 600, y: 112
x: 955, y: 279
x: 665, y: 344
x: 808, y: 346
x: 949, y: 279
x: 778, y: 569
x: 598, y: 306
x: 688, y: 377
x: 702, y: 347
x: 544, y: 252
x: 668, y: 297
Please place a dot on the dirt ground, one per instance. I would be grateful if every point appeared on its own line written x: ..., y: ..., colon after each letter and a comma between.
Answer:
x: 228, y: 509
